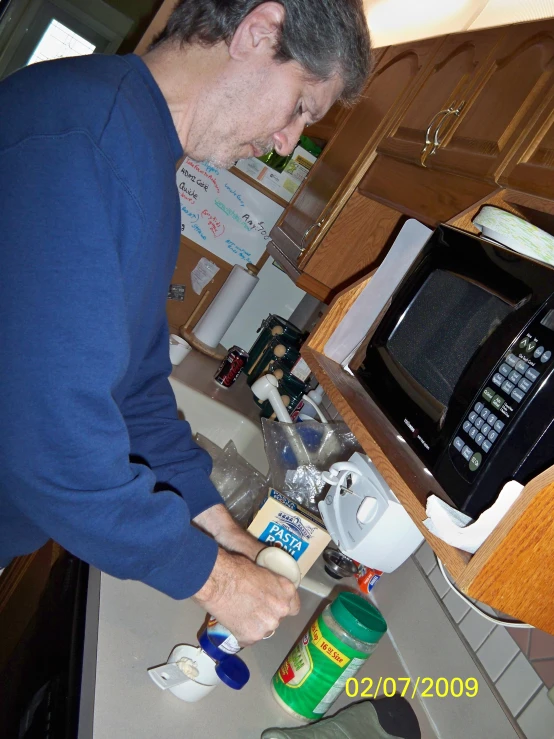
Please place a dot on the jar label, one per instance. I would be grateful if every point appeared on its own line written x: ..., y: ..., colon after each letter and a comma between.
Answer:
x: 326, y: 647
x: 315, y: 671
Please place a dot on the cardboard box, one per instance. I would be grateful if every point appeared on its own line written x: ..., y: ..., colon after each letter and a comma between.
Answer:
x: 284, y: 523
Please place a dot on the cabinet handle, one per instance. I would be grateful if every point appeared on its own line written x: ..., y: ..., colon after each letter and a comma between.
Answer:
x: 437, y: 142
x: 428, y: 141
x: 303, y: 245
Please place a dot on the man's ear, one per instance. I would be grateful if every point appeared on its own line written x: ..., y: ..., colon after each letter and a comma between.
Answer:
x: 258, y: 32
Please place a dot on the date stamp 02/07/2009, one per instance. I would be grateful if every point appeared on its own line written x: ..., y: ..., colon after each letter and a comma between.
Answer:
x: 424, y: 687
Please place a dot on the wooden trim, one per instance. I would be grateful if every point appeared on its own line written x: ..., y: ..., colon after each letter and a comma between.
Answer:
x: 337, y: 310
x: 355, y: 244
x: 157, y: 25
x: 516, y: 577
x: 464, y: 220
x: 524, y: 205
x: 259, y: 186
x: 314, y: 287
x: 431, y: 196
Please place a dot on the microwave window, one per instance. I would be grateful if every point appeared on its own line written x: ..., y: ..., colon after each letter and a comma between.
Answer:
x: 441, y: 329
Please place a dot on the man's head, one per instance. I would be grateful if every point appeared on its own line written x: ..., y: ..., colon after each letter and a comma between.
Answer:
x: 279, y: 67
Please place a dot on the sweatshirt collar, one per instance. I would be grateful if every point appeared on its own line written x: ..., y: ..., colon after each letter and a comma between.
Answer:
x: 161, y: 104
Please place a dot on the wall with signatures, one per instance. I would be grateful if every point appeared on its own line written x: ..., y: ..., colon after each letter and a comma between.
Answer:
x: 223, y: 214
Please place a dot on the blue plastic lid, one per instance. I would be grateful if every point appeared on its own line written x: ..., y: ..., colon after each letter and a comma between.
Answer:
x: 210, y: 648
x: 233, y: 672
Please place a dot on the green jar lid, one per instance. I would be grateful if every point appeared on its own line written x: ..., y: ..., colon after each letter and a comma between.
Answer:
x: 359, y: 617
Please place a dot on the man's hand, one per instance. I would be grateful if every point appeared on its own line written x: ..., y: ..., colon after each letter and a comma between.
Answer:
x: 218, y: 522
x: 249, y: 600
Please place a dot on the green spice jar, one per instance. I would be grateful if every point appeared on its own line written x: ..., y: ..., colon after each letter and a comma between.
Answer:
x: 336, y: 645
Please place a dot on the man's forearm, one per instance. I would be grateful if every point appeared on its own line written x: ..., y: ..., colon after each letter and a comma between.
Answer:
x: 218, y: 522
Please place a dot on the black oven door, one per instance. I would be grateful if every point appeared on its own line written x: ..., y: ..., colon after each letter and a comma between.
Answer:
x: 43, y: 623
x: 455, y: 315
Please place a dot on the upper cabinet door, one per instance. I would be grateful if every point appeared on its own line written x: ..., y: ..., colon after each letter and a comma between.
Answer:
x: 442, y: 95
x: 502, y: 105
x: 531, y: 167
x: 347, y: 156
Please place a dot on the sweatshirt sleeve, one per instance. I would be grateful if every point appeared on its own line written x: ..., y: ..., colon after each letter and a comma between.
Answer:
x: 161, y: 439
x: 65, y: 447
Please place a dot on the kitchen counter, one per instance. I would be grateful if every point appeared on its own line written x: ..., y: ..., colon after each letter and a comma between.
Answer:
x: 197, y: 371
x: 138, y: 627
x: 131, y: 627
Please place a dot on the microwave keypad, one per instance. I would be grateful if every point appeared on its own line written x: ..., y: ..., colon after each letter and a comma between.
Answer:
x: 500, y: 399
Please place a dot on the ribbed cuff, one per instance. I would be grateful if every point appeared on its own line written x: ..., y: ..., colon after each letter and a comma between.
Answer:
x: 197, y: 490
x: 186, y: 571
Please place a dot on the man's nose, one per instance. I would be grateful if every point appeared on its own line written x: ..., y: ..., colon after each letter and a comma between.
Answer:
x: 286, y: 139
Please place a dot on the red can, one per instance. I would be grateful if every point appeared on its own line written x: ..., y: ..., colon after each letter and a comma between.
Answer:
x: 231, y: 367
x: 367, y: 577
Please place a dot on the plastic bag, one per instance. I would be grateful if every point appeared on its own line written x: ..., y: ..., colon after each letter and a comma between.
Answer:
x: 240, y: 485
x: 299, y: 452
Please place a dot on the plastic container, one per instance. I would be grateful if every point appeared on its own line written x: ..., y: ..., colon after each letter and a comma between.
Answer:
x: 308, y: 412
x: 217, y: 641
x: 334, y: 648
x: 178, y: 349
x: 195, y: 690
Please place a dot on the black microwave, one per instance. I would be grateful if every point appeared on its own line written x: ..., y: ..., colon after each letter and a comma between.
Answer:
x: 462, y: 364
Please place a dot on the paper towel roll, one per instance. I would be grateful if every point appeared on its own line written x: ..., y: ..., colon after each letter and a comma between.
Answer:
x: 226, y: 305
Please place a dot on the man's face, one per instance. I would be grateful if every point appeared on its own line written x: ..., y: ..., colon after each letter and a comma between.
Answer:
x: 256, y: 108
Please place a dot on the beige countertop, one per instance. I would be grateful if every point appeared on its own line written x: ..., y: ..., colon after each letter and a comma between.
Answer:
x: 198, y: 371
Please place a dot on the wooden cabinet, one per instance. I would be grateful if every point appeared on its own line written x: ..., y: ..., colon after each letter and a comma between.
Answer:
x: 442, y: 95
x: 443, y: 124
x: 479, y: 100
x: 339, y: 169
x: 503, y: 105
x: 531, y: 165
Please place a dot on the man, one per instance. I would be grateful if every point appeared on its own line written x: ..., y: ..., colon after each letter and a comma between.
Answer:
x: 92, y: 453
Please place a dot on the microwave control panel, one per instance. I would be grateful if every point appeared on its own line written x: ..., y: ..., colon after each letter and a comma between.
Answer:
x: 503, y: 396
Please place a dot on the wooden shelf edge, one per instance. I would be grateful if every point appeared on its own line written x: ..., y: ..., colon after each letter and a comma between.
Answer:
x: 260, y: 187
x: 340, y: 305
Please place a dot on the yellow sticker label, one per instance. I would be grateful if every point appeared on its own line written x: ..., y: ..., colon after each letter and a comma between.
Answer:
x: 319, y: 641
x: 304, y: 162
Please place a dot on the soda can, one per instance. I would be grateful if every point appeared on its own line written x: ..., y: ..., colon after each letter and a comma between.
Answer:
x: 231, y: 367
x: 367, y: 577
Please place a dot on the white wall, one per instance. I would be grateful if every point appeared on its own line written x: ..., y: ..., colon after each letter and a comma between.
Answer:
x: 274, y: 293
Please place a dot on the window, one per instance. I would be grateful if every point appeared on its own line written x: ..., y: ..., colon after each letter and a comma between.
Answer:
x: 59, y: 41
x: 36, y: 30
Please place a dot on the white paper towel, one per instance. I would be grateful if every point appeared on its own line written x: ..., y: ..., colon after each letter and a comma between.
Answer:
x: 459, y: 530
x: 225, y: 307
x: 354, y: 327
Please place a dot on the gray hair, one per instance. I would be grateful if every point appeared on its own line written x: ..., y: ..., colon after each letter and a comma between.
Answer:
x: 326, y: 37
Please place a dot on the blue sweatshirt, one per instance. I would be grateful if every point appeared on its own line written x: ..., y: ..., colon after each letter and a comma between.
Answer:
x: 92, y: 453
